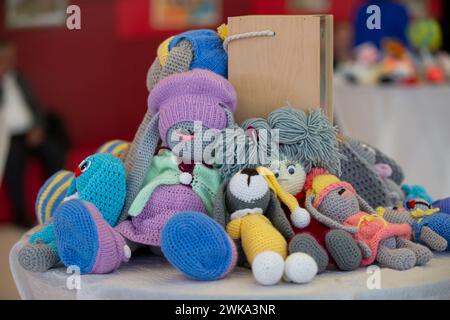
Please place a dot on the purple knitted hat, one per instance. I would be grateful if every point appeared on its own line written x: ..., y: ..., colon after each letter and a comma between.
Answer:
x: 197, y: 95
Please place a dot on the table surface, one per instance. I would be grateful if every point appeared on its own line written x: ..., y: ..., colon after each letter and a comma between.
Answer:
x: 151, y: 277
x: 410, y: 124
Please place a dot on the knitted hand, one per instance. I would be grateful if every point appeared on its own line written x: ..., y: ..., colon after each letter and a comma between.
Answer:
x: 300, y: 218
x: 365, y: 250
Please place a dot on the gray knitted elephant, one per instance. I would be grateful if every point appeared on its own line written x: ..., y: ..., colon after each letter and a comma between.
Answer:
x: 336, y: 204
x: 375, y: 176
x: 253, y: 217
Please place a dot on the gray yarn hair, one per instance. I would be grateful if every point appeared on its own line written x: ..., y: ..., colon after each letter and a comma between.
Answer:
x: 304, y: 137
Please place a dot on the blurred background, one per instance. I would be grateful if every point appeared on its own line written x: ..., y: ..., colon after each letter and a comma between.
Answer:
x: 65, y: 92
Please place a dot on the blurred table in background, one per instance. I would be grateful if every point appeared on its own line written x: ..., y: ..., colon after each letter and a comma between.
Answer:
x: 410, y: 124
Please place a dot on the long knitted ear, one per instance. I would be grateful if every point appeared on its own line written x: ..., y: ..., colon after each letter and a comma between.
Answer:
x: 277, y: 216
x: 220, y: 212
x: 363, y: 205
x: 144, y: 155
x: 230, y: 117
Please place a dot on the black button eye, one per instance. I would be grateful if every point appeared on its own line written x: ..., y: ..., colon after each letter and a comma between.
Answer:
x: 291, y: 169
x: 395, y: 208
x: 85, y: 165
x: 340, y: 192
x: 276, y: 173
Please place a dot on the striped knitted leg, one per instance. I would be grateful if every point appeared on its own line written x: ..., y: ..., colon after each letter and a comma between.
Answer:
x: 198, y: 246
x: 423, y: 254
x: 398, y: 259
x: 307, y: 244
x: 344, y: 250
x: 38, y: 257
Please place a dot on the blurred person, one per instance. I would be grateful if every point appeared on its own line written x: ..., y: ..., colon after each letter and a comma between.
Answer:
x: 25, y: 125
x: 394, y: 23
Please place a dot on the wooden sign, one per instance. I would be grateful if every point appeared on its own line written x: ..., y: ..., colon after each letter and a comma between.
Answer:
x: 294, y: 66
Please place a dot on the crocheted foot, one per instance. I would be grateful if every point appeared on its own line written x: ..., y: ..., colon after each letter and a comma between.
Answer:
x: 86, y: 240
x: 37, y: 257
x: 423, y: 254
x: 198, y: 246
x: 300, y: 268
x: 343, y: 249
x: 307, y: 244
x: 268, y: 268
x: 398, y: 259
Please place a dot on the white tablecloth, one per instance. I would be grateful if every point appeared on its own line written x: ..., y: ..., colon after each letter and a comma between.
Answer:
x: 151, y: 277
x: 412, y: 125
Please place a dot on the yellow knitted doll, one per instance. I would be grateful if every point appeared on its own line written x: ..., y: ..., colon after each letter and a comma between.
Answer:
x: 252, y: 206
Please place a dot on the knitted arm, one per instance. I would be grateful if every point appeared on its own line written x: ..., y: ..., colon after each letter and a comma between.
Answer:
x: 276, y: 215
x: 234, y: 229
x: 433, y: 240
x: 363, y: 205
x: 326, y: 220
x: 396, y: 217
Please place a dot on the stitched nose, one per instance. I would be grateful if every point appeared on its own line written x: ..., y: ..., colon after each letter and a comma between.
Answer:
x: 249, y: 172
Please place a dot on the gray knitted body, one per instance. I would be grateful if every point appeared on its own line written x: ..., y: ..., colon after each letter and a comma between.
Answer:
x: 358, y: 169
x: 340, y: 204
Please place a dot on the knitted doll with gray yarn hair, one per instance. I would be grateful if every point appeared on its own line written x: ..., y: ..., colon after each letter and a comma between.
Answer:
x: 336, y: 204
x: 375, y: 176
x: 253, y: 217
x: 303, y: 137
x: 430, y: 226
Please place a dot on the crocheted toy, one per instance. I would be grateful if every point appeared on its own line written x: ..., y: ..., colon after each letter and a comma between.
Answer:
x: 171, y: 183
x: 196, y: 49
x: 325, y: 245
x: 443, y: 205
x: 247, y: 207
x: 337, y: 205
x: 430, y: 226
x: 416, y: 192
x: 54, y: 190
x: 375, y: 176
x: 304, y: 137
x: 99, y: 180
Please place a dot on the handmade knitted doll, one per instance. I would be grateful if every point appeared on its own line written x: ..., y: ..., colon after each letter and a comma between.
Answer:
x: 337, y: 205
x: 196, y: 49
x: 316, y: 239
x: 247, y: 208
x: 430, y: 226
x: 375, y: 176
x: 176, y: 183
x: 99, y: 180
x: 54, y: 190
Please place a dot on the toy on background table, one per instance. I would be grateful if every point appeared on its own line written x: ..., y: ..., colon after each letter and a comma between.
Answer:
x: 98, y: 183
x: 431, y: 227
x: 375, y: 176
x: 252, y: 216
x: 171, y: 192
x: 416, y: 192
x: 337, y: 205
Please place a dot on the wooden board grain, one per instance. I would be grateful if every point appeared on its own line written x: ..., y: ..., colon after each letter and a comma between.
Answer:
x: 290, y: 68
